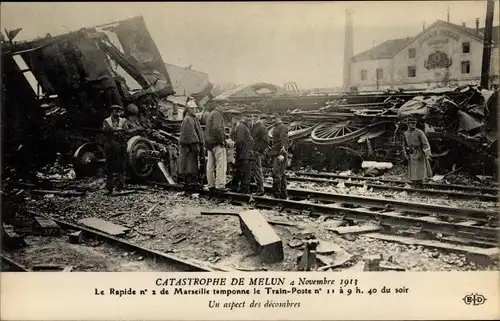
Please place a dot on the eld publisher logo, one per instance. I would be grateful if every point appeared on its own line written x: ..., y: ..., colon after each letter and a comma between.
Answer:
x: 474, y: 299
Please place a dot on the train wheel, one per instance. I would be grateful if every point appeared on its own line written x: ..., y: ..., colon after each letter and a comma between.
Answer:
x: 137, y: 148
x: 336, y: 133
x: 87, y: 160
x: 300, y: 129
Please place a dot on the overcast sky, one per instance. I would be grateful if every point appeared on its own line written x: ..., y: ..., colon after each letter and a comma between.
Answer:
x: 246, y: 42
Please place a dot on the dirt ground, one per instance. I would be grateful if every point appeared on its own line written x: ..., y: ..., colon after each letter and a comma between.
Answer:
x: 56, y: 253
x: 176, y: 226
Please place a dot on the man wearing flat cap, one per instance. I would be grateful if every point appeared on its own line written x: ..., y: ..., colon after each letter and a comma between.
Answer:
x: 417, y: 150
x: 260, y: 137
x: 279, y: 154
x: 115, y: 148
x: 244, y: 156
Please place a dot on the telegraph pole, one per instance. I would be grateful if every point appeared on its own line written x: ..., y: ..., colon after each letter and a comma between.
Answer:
x: 485, y: 69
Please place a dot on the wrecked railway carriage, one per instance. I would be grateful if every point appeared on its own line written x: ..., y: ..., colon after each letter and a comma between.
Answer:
x: 461, y: 124
x: 57, y: 90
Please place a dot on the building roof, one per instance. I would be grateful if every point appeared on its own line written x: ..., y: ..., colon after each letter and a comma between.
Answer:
x: 389, y: 48
x: 385, y: 50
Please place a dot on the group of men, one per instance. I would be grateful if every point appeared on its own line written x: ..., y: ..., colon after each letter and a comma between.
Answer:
x: 250, y: 139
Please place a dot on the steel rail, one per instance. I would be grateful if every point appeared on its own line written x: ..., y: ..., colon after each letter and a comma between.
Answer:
x: 383, y: 218
x: 183, y: 264
x: 430, y: 192
x: 489, y: 190
x: 404, y: 206
x: 14, y: 265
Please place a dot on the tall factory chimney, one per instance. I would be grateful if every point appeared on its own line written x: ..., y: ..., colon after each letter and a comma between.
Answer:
x: 485, y: 68
x: 477, y: 25
x: 448, y: 14
x: 348, y: 51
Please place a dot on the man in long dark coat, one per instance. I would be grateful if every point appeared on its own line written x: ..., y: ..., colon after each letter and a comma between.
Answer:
x: 260, y: 137
x: 417, y: 151
x: 191, y: 150
x: 279, y: 154
x: 215, y: 142
x: 243, y: 158
x: 114, y: 128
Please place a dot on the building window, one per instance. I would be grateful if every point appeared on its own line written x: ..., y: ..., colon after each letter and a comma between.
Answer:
x: 412, y: 72
x: 465, y: 47
x: 411, y: 53
x: 363, y: 75
x: 465, y: 67
x: 380, y: 73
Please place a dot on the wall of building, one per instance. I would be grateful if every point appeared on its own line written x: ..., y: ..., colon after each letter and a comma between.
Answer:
x: 438, y: 60
x: 370, y: 66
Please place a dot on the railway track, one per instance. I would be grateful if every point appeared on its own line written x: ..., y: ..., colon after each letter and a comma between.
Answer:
x: 471, y: 226
x: 335, y: 178
x: 423, y: 191
x: 180, y: 264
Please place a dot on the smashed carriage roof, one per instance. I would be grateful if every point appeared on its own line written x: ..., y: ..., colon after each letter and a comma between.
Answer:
x: 127, y: 41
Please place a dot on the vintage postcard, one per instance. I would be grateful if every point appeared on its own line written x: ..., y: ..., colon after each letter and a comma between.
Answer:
x: 322, y: 160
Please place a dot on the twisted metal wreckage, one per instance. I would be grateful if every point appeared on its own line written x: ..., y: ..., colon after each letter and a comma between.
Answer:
x: 80, y: 74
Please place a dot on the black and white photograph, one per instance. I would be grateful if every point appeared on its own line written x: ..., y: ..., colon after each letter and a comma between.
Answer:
x: 250, y: 137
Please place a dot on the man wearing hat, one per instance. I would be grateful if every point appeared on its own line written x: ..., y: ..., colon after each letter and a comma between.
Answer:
x: 279, y: 153
x: 260, y: 137
x: 191, y: 151
x: 417, y: 150
x: 115, y: 147
x: 244, y: 156
x: 215, y: 142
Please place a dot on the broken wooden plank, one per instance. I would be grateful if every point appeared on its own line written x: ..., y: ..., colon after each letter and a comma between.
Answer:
x: 68, y: 269
x: 47, y: 267
x: 326, y: 247
x: 483, y: 256
x: 122, y: 193
x: 388, y: 266
x: 480, y: 255
x: 151, y: 209
x: 261, y: 236
x: 76, y: 237
x: 104, y: 226
x: 281, y: 223
x: 58, y: 192
x: 218, y: 212
x: 46, y: 226
x: 355, y: 229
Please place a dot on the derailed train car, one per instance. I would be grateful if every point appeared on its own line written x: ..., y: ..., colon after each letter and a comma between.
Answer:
x: 461, y: 124
x: 57, y: 91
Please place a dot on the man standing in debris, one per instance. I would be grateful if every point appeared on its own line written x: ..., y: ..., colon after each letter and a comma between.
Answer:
x: 215, y: 142
x: 191, y: 150
x: 244, y: 157
x: 417, y: 150
x: 115, y: 146
x: 133, y: 124
x: 230, y: 149
x: 279, y: 153
x: 260, y: 137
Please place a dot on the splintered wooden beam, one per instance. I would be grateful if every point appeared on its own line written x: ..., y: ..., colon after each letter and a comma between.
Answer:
x: 261, y: 236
